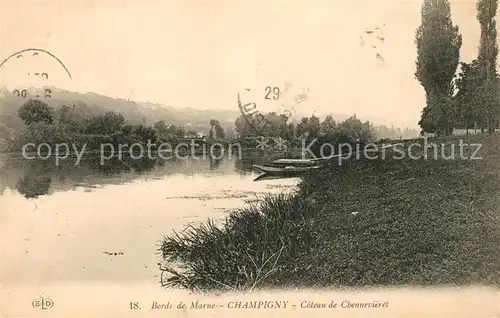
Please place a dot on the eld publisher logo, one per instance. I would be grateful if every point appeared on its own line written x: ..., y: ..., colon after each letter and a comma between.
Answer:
x: 42, y: 303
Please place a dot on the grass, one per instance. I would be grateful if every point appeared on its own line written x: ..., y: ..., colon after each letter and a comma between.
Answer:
x: 250, y: 249
x: 363, y: 223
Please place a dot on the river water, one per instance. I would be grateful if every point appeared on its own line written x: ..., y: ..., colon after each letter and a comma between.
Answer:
x: 70, y: 224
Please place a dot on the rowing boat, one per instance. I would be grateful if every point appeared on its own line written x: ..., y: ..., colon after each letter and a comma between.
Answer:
x: 289, y: 168
x: 283, y: 172
x: 294, y: 162
x: 280, y: 170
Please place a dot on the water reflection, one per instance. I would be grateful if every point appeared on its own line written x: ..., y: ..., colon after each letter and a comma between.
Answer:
x: 33, y: 178
x: 33, y: 185
x: 214, y: 162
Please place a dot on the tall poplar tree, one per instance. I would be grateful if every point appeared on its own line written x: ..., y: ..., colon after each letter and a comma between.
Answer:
x: 487, y: 59
x: 438, y: 43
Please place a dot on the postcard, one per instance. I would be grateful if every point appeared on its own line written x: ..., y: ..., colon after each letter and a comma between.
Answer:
x: 249, y: 159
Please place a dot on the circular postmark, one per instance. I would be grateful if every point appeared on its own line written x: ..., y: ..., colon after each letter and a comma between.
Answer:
x: 33, y: 74
x: 271, y: 111
x: 268, y: 106
x: 30, y: 74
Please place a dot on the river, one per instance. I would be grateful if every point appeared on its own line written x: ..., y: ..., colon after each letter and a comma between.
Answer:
x: 70, y: 224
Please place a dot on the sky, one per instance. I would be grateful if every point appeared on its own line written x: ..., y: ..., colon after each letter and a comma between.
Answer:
x: 201, y: 54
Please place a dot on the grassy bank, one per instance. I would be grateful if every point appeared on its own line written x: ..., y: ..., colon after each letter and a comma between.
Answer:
x: 363, y: 223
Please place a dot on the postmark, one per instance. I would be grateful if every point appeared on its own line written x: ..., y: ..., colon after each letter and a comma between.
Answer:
x: 33, y: 73
x: 270, y: 111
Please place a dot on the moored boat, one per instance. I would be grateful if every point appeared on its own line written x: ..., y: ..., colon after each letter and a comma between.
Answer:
x: 283, y: 171
x: 294, y: 162
x: 287, y: 168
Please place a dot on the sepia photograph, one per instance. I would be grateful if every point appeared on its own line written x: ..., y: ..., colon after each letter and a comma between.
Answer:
x: 245, y: 158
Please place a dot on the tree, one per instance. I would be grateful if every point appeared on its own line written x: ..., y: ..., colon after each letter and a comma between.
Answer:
x: 328, y: 126
x: 314, y: 126
x: 211, y: 133
x: 6, y: 134
x: 114, y: 121
x: 466, y: 102
x: 289, y: 132
x: 220, y: 131
x: 68, y: 119
x: 368, y: 132
x: 176, y: 131
x: 191, y: 133
x: 276, y: 125
x: 145, y: 133
x: 160, y: 127
x: 351, y: 129
x: 438, y: 50
x: 64, y: 115
x: 487, y: 58
x: 308, y: 127
x: 108, y: 123
x: 242, y: 127
x: 431, y: 116
x: 301, y: 129
x: 35, y: 111
x: 216, y: 131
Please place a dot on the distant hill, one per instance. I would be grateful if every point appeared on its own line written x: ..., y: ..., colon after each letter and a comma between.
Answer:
x: 89, y: 104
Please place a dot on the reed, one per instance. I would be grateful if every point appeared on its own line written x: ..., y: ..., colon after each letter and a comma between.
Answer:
x: 248, y: 251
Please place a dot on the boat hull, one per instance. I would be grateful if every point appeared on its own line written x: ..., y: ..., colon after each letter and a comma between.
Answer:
x: 284, y: 172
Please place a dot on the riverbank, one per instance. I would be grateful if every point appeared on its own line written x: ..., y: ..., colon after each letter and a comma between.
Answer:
x: 383, y: 222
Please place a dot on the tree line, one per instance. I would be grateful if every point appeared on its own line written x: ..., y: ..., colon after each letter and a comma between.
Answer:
x: 350, y: 129
x: 459, y: 95
x: 307, y: 127
x: 45, y: 124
